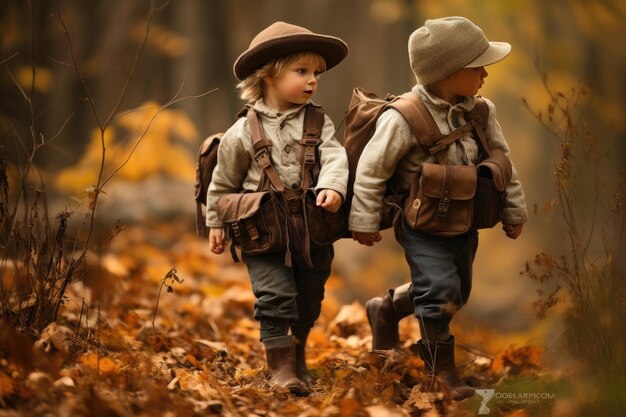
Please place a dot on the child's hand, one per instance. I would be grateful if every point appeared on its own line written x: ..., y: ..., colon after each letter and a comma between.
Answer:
x: 513, y: 230
x: 216, y: 240
x: 329, y: 200
x: 366, y: 238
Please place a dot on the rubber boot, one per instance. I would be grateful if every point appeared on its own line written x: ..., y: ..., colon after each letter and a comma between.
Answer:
x: 436, y: 348
x: 384, y: 313
x: 302, y: 372
x: 281, y: 361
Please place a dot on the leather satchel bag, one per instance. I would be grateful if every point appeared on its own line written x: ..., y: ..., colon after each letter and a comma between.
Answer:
x: 275, y: 218
x: 449, y: 200
x: 253, y: 221
x: 324, y: 227
x: 494, y: 174
x: 441, y: 200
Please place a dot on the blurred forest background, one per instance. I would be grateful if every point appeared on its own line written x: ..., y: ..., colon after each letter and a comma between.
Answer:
x: 189, y: 51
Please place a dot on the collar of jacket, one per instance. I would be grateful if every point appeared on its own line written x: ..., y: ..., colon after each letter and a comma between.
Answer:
x: 465, y: 105
x: 261, y: 108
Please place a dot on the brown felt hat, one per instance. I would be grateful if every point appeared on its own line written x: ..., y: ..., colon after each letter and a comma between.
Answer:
x: 280, y: 39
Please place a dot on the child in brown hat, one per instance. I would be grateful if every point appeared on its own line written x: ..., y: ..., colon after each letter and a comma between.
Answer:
x: 279, y: 73
x: 448, y: 57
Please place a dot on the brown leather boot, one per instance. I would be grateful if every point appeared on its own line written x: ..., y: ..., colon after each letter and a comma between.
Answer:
x: 302, y: 372
x: 281, y: 361
x: 384, y: 313
x: 439, y: 360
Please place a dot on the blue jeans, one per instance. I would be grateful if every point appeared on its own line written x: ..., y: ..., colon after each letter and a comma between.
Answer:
x: 441, y: 273
x: 288, y: 297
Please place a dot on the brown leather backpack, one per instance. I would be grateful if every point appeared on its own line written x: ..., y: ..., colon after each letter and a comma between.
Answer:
x: 207, y: 160
x: 443, y: 198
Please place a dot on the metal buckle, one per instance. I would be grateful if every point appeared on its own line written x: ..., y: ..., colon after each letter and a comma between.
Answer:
x: 444, y: 205
x: 263, y: 158
x: 309, y: 154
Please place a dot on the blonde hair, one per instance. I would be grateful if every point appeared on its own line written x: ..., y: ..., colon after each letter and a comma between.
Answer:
x: 252, y: 87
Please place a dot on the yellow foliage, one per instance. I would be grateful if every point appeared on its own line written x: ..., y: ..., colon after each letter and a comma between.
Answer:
x: 43, y: 78
x: 153, y: 132
x: 161, y: 39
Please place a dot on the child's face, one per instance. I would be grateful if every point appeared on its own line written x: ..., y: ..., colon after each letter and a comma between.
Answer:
x: 293, y: 86
x: 467, y: 81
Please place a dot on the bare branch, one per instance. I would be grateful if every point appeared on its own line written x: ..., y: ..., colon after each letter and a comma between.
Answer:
x: 75, y: 66
x: 58, y: 61
x: 5, y: 60
x: 61, y: 128
x: 170, y: 103
x: 19, y: 87
x: 133, y: 67
x: 19, y: 138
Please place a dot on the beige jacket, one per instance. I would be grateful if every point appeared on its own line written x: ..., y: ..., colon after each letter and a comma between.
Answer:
x: 237, y: 170
x: 393, y: 153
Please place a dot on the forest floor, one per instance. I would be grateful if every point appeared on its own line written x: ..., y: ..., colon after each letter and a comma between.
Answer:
x: 132, y: 340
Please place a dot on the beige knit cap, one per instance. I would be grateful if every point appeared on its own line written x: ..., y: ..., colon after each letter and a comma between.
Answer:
x: 444, y: 46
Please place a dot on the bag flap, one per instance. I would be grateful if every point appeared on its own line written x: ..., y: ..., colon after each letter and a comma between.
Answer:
x: 500, y: 168
x: 209, y: 142
x: 233, y: 207
x: 207, y: 160
x: 462, y: 183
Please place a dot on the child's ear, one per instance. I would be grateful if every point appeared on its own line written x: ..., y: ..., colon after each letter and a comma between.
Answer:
x: 269, y: 80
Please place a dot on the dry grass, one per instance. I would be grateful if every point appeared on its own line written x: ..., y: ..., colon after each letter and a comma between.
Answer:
x: 591, y: 287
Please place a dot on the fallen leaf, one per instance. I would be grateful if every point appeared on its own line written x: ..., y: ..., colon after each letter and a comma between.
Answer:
x: 103, y: 364
x: 6, y: 385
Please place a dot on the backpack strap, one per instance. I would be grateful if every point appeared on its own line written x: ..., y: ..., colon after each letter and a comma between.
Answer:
x: 310, y: 163
x: 262, y: 150
x: 419, y: 118
x: 415, y: 112
x: 427, y: 132
x: 478, y: 118
x: 311, y: 139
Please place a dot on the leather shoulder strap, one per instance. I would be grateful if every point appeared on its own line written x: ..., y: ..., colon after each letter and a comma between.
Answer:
x: 478, y: 119
x: 480, y: 113
x: 427, y: 132
x: 418, y: 117
x: 311, y: 139
x: 262, y: 151
x: 422, y: 123
x: 313, y: 122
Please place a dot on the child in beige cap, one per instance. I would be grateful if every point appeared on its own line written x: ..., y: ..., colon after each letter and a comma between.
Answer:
x: 448, y: 57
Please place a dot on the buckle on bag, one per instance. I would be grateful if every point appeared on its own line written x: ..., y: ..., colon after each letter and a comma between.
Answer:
x: 443, y: 209
x: 444, y: 204
x: 309, y: 154
x: 236, y: 231
x: 263, y: 158
x: 309, y: 149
